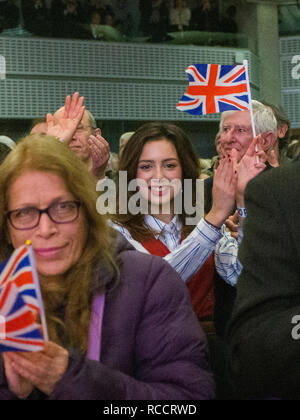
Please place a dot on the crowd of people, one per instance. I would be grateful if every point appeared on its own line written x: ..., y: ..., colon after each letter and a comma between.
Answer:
x: 141, y: 303
x: 116, y: 20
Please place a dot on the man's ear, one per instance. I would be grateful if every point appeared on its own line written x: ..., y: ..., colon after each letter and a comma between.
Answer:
x: 282, y: 131
x: 268, y: 140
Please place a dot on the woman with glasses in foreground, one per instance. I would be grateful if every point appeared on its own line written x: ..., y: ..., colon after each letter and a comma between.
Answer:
x: 120, y: 322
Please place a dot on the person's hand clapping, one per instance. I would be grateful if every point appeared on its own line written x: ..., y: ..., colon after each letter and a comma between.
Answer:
x: 273, y: 159
x: 224, y: 187
x: 100, y: 153
x: 64, y: 128
x: 248, y: 167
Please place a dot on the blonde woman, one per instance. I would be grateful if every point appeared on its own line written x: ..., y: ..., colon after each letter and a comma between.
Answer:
x: 102, y: 298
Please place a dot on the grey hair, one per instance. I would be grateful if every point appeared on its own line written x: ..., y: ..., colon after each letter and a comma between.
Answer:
x: 92, y: 120
x: 264, y: 118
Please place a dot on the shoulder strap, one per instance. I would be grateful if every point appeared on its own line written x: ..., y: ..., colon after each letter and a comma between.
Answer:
x: 156, y: 247
x: 95, y: 332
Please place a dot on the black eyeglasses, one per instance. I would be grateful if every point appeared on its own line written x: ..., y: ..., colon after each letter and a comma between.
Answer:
x: 29, y: 217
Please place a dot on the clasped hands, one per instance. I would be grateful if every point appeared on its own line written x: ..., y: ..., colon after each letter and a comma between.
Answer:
x: 41, y: 370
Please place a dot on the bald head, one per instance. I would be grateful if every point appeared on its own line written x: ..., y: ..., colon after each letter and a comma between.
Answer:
x: 40, y: 128
x: 87, y: 120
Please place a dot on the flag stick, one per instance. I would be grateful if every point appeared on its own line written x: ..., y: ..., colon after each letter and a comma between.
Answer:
x: 245, y: 63
x: 38, y: 291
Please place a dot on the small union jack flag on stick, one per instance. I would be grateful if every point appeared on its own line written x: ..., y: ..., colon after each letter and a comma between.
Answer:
x: 215, y: 88
x: 21, y: 304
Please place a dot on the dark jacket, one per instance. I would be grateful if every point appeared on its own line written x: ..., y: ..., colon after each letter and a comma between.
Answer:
x: 225, y: 294
x: 152, y: 345
x: 265, y: 356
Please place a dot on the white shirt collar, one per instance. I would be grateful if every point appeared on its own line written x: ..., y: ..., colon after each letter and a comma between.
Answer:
x: 174, y: 227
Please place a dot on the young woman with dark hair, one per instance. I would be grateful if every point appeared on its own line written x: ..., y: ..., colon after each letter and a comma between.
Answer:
x: 160, y: 154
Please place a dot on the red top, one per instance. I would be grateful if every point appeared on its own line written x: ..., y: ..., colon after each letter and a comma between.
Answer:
x: 200, y: 285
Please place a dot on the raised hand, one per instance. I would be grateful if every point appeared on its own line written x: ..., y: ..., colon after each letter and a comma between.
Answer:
x: 100, y: 153
x: 74, y: 108
x: 63, y: 127
x: 248, y: 167
x: 224, y: 187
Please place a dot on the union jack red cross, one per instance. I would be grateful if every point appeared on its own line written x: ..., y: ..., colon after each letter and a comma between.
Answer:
x: 215, y: 88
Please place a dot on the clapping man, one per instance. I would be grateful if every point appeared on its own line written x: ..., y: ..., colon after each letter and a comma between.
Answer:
x: 76, y: 126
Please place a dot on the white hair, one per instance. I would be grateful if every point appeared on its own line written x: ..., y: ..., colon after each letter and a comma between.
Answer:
x: 92, y: 120
x: 264, y: 118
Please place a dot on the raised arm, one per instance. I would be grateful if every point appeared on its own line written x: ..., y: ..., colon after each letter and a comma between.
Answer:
x: 64, y: 124
x: 226, y: 252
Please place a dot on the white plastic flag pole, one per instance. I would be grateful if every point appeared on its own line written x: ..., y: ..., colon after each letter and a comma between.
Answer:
x: 38, y: 291
x: 245, y: 63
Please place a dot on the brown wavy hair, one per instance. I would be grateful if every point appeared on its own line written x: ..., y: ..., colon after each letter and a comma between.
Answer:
x: 129, y: 160
x: 67, y: 305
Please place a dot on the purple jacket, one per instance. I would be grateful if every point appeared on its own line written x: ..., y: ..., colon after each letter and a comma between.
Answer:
x: 153, y: 347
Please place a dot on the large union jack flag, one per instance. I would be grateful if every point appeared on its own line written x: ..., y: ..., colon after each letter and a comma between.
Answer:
x: 20, y: 304
x: 215, y: 88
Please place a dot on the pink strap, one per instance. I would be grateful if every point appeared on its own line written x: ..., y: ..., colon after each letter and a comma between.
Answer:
x: 95, y: 333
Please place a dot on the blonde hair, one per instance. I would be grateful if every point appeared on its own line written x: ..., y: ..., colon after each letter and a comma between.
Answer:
x: 47, y: 154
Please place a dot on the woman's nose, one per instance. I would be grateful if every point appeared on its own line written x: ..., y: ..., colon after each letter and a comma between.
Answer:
x: 46, y: 226
x: 158, y: 173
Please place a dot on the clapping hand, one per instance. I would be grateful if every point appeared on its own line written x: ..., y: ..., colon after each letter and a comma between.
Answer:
x: 248, y: 167
x: 224, y: 187
x: 64, y: 127
x: 100, y: 153
x: 273, y: 159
